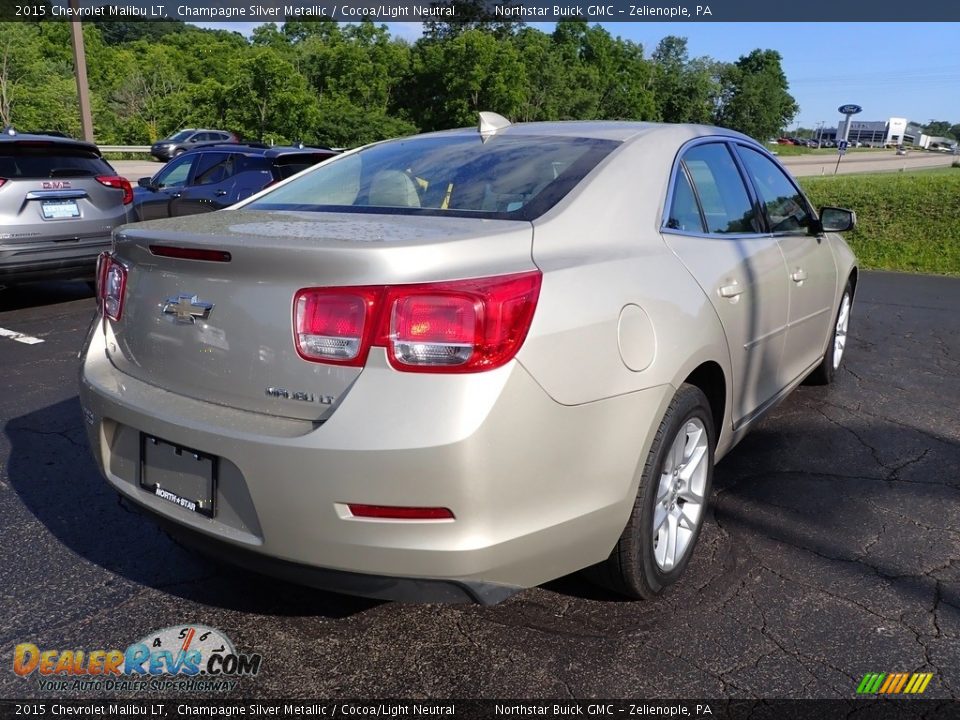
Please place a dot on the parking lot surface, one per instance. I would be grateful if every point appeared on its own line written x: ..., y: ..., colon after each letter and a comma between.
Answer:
x: 831, y: 551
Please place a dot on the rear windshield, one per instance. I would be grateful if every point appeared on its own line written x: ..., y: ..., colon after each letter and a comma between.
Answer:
x: 49, y: 161
x: 289, y: 165
x: 506, y: 177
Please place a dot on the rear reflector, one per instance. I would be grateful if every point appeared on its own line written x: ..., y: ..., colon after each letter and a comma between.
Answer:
x: 182, y: 253
x: 391, y: 512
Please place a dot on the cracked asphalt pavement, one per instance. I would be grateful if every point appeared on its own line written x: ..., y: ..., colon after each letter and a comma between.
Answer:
x: 831, y: 549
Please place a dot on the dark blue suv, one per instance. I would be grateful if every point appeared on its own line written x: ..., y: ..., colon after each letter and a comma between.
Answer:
x: 217, y: 176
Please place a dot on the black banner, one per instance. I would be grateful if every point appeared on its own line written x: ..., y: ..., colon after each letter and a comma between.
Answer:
x: 474, y: 10
x: 174, y: 709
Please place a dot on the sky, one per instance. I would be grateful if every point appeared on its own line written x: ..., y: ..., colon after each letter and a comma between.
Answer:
x: 909, y: 70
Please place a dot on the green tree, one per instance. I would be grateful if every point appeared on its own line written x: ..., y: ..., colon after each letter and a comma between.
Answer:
x: 471, y: 15
x: 455, y: 79
x: 937, y: 128
x: 754, y: 97
x: 37, y: 91
x: 685, y: 90
x: 269, y: 99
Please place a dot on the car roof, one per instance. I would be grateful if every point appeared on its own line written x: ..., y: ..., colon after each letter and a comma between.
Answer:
x: 617, y: 130
x: 55, y: 140
x: 269, y: 151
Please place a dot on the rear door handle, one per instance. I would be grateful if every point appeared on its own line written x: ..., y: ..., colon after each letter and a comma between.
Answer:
x: 731, y: 291
x: 799, y: 276
x: 221, y: 193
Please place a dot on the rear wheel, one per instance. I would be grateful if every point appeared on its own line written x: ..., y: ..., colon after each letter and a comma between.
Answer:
x: 827, y: 369
x: 668, y: 513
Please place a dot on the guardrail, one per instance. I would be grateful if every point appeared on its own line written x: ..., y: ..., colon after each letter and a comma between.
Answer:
x: 124, y: 148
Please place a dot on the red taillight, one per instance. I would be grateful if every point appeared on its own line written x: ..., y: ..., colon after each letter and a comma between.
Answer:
x: 393, y: 512
x: 433, y: 329
x: 334, y: 324
x: 121, y: 183
x: 454, y: 327
x: 111, y: 284
x: 190, y: 253
x: 2, y: 181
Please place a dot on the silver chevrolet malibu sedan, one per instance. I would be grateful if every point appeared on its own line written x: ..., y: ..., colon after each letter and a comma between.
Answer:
x: 452, y: 366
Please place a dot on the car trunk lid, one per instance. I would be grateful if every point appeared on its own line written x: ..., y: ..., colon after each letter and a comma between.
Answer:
x: 222, y: 331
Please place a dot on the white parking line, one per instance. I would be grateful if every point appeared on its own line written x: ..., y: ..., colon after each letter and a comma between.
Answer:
x: 19, y: 337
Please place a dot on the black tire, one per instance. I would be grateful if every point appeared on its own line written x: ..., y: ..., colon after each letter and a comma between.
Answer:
x: 632, y: 568
x: 827, y: 369
x: 177, y: 153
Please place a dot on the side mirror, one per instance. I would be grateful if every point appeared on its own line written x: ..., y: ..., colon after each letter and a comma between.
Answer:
x: 147, y: 183
x: 834, y: 219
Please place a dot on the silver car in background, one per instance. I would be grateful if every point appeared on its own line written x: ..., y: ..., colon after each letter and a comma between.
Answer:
x: 59, y: 203
x: 452, y: 366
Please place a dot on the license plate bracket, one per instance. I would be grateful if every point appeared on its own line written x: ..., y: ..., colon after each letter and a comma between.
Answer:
x: 59, y: 209
x: 180, y: 475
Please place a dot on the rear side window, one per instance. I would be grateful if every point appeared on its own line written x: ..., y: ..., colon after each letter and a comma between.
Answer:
x: 684, y: 212
x: 289, y: 165
x: 214, y: 168
x: 507, y: 177
x: 719, y: 186
x: 21, y: 160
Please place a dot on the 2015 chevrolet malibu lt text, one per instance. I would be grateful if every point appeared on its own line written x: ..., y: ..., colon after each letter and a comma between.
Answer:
x: 451, y: 366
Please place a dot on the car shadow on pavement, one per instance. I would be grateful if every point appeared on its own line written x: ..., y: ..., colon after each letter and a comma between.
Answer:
x: 53, y: 472
x: 27, y: 295
x: 827, y: 498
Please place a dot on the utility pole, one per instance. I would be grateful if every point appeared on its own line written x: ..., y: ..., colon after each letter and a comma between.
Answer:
x: 80, y: 66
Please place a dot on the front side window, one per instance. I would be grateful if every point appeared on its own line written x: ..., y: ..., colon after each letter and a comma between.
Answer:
x: 506, y: 177
x: 719, y: 186
x: 785, y: 206
x: 176, y: 173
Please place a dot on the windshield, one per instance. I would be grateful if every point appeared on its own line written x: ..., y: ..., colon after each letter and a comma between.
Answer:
x: 516, y: 177
x: 182, y: 135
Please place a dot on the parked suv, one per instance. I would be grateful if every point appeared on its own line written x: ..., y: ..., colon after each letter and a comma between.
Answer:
x: 59, y: 202
x: 217, y: 176
x: 179, y: 143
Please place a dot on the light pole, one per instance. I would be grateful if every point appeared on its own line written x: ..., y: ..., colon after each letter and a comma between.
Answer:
x: 820, y: 125
x: 80, y: 65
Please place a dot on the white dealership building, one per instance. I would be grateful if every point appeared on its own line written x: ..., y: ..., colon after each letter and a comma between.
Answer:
x: 892, y: 131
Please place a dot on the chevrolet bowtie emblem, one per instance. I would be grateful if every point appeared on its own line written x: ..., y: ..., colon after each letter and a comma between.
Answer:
x: 186, y: 308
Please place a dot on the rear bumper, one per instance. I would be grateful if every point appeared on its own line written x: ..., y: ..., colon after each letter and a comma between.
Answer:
x: 52, y: 260
x: 381, y: 587
x: 538, y: 489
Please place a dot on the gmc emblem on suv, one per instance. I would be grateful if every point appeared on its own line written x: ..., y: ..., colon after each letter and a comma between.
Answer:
x: 55, y: 184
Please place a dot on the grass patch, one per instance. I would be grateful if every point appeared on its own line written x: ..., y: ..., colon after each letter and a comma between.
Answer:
x: 905, y: 221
